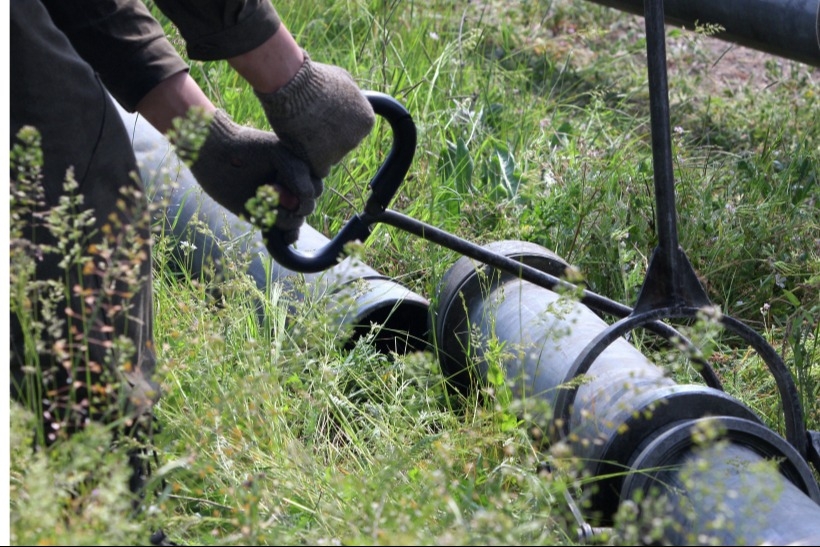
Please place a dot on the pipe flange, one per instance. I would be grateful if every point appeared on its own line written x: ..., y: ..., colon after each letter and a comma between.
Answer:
x: 672, y: 443
x: 653, y: 413
x: 789, y: 396
x: 466, y: 278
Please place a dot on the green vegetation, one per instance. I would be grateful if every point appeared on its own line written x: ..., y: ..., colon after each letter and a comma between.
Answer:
x: 533, y: 125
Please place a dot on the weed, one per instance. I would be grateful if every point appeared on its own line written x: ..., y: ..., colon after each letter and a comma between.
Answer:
x: 532, y: 122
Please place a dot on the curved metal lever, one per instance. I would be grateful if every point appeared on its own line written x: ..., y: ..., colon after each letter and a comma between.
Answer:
x: 384, y: 186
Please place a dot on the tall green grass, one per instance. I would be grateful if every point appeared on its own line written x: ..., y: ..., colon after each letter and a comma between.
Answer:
x: 533, y: 125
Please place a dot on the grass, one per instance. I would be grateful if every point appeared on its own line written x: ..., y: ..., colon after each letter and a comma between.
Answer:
x: 533, y: 125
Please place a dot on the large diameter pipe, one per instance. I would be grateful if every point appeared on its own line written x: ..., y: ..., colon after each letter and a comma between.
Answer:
x: 786, y: 28
x: 724, y: 493
x: 629, y: 419
x: 206, y: 236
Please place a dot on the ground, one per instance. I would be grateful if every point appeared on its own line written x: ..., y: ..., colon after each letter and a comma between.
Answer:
x: 723, y: 66
x: 733, y: 65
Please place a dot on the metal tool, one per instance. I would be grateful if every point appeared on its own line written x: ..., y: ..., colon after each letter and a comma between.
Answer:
x: 356, y: 295
x: 671, y: 290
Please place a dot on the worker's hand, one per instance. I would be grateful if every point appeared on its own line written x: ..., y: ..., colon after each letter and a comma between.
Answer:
x: 235, y: 161
x: 321, y: 115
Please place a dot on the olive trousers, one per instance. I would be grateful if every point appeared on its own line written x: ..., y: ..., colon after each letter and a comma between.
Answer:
x: 81, y: 318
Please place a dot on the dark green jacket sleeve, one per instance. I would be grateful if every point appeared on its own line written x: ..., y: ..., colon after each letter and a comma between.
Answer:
x: 127, y: 46
x: 122, y: 41
x: 220, y: 29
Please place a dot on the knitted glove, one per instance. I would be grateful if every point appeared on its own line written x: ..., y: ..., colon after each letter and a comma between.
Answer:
x: 321, y: 115
x: 235, y: 161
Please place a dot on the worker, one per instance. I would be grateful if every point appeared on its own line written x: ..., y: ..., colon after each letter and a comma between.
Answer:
x: 83, y: 350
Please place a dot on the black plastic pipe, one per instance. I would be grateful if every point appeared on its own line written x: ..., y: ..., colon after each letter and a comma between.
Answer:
x: 786, y: 28
x: 725, y: 493
x: 204, y: 232
x: 631, y: 425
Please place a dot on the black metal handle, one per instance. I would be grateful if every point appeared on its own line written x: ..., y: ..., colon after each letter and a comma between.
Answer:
x: 383, y: 187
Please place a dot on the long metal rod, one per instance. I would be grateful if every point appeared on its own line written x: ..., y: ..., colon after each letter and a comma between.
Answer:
x: 509, y: 265
x: 503, y: 263
x: 666, y: 220
x: 670, y: 279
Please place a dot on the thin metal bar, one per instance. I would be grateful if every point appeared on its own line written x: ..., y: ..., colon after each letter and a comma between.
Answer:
x: 661, y: 134
x: 509, y: 265
x: 670, y: 279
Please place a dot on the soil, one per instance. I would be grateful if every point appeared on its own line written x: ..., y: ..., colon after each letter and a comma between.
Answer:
x: 732, y: 66
x: 723, y: 66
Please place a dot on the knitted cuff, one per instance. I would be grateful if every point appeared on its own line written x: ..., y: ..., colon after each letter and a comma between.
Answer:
x: 288, y: 101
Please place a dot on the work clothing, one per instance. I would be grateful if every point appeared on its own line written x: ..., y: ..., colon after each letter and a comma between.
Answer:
x: 54, y: 90
x: 130, y: 51
x: 233, y: 152
x: 65, y: 59
x: 320, y: 114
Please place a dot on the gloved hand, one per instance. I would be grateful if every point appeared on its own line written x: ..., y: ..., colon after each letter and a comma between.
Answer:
x: 235, y: 161
x: 321, y: 114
